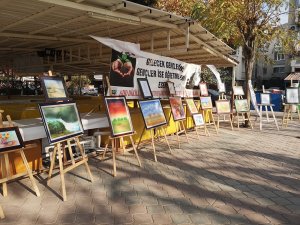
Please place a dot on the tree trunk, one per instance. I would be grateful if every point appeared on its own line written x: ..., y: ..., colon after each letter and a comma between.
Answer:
x: 249, y: 55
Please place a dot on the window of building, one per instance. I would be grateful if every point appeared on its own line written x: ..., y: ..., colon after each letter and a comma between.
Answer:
x: 279, y: 69
x: 278, y: 55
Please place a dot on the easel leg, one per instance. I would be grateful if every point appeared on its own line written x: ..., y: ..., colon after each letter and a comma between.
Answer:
x: 52, y: 163
x: 114, y: 147
x: 238, y: 120
x: 165, y: 135
x: 177, y: 135
x: 87, y: 168
x: 122, y: 143
x: 62, y: 175
x: 218, y: 123
x: 70, y: 152
x: 135, y: 151
x: 137, y: 147
x: 7, y: 169
x: 29, y: 173
x: 196, y: 129
x: 2, y: 216
x: 105, y: 149
x: 274, y: 117
x: 267, y: 113
x: 183, y: 127
x: 283, y: 118
x: 248, y: 115
x: 260, y: 117
x: 153, y: 145
x: 4, y: 174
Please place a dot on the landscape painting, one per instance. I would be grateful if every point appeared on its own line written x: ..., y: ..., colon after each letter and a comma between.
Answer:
x: 54, y: 88
x: 177, y: 108
x: 10, y: 139
x: 223, y: 107
x: 118, y: 115
x: 153, y: 113
x: 241, y: 105
x: 238, y: 90
x: 191, y: 105
x: 61, y: 121
x: 206, y: 102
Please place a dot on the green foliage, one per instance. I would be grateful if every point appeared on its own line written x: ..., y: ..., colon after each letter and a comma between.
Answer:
x: 124, y: 58
x: 56, y: 127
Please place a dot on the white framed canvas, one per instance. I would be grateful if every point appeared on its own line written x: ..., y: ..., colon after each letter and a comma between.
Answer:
x: 198, y: 119
x: 238, y: 90
x: 265, y: 99
x: 292, y: 95
x: 203, y: 89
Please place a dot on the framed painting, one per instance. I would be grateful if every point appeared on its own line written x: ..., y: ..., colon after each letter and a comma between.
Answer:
x: 145, y: 88
x: 54, y: 88
x: 238, y: 90
x: 265, y: 99
x: 292, y: 95
x: 152, y: 113
x: 206, y: 102
x: 222, y: 88
x: 10, y: 139
x: 171, y: 87
x: 241, y: 105
x: 191, y: 106
x: 118, y: 115
x: 177, y: 108
x: 198, y: 119
x: 223, y: 107
x: 203, y: 89
x: 61, y: 121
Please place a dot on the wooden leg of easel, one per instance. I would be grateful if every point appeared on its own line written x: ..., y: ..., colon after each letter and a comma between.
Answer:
x: 62, y: 175
x: 196, y: 129
x: 70, y: 152
x: 137, y: 147
x: 238, y: 120
x: 267, y: 113
x: 105, y: 149
x: 135, y: 151
x: 206, y: 131
x: 122, y: 143
x: 36, y: 189
x: 114, y: 147
x: 177, y: 135
x: 2, y: 216
x: 218, y: 123
x: 4, y: 174
x: 153, y: 144
x: 260, y: 117
x: 52, y: 163
x: 87, y: 168
x: 183, y: 127
x: 165, y: 135
x: 283, y: 117
x: 7, y: 169
x: 274, y: 117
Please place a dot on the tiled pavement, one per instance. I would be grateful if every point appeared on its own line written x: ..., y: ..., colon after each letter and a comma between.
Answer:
x: 236, y: 177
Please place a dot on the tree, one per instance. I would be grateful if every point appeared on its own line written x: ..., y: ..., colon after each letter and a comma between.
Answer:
x: 247, y: 23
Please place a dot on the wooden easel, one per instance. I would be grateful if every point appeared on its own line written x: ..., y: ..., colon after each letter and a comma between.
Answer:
x: 206, y: 132
x: 180, y: 129
x: 2, y: 216
x: 5, y: 167
x: 207, y: 114
x: 267, y: 115
x: 153, y: 132
x: 245, y: 115
x: 288, y: 114
x: 114, y: 143
x: 59, y: 147
x: 224, y: 119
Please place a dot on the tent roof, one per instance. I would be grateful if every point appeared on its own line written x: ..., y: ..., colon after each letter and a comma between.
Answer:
x: 63, y: 26
x: 293, y: 76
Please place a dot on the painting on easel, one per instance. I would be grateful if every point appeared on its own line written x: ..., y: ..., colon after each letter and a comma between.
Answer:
x: 177, y: 108
x: 241, y: 105
x: 153, y: 113
x: 238, y: 90
x: 171, y: 87
x: 265, y: 99
x: 292, y: 95
x: 191, y: 105
x: 61, y: 121
x: 206, y: 102
x: 198, y: 119
x: 54, y: 88
x: 223, y: 107
x: 145, y: 88
x: 203, y: 89
x: 10, y: 139
x: 118, y: 116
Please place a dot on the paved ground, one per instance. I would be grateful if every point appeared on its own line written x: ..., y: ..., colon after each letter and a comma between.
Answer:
x: 236, y: 177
